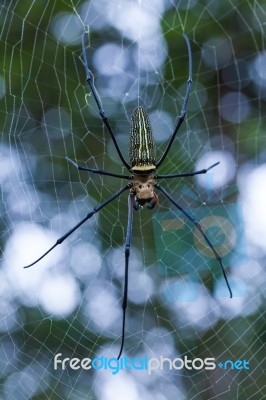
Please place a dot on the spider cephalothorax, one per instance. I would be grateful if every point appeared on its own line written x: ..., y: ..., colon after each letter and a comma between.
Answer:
x: 143, y: 190
x: 142, y: 182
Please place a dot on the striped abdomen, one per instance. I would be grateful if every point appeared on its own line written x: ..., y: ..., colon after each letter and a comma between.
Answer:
x: 142, y: 151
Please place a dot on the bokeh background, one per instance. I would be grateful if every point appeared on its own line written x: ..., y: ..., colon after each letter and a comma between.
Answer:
x: 70, y: 302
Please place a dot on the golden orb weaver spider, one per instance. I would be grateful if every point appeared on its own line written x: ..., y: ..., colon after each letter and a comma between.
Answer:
x: 142, y: 166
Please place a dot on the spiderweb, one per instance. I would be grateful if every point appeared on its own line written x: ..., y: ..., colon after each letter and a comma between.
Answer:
x: 70, y: 302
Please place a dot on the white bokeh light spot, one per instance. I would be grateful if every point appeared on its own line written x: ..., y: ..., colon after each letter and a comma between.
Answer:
x: 253, y: 196
x: 121, y: 386
x: 216, y: 52
x: 28, y: 242
x: 109, y: 59
x: 260, y: 69
x: 25, y: 245
x: 67, y: 27
x: 142, y: 288
x: 234, y: 107
x: 219, y: 175
x: 134, y: 22
x: 85, y: 260
x: 59, y: 295
x: 102, y: 306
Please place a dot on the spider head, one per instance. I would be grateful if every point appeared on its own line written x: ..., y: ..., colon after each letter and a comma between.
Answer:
x: 143, y: 188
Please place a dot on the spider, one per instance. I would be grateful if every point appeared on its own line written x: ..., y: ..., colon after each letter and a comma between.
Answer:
x: 142, y: 178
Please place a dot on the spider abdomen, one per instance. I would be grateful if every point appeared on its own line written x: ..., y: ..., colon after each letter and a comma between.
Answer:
x: 142, y: 150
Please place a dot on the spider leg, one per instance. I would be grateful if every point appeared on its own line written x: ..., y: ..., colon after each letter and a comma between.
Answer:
x: 198, y: 226
x: 90, y: 81
x: 97, y: 171
x: 88, y: 216
x: 202, y: 171
x: 127, y: 253
x: 184, y: 107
